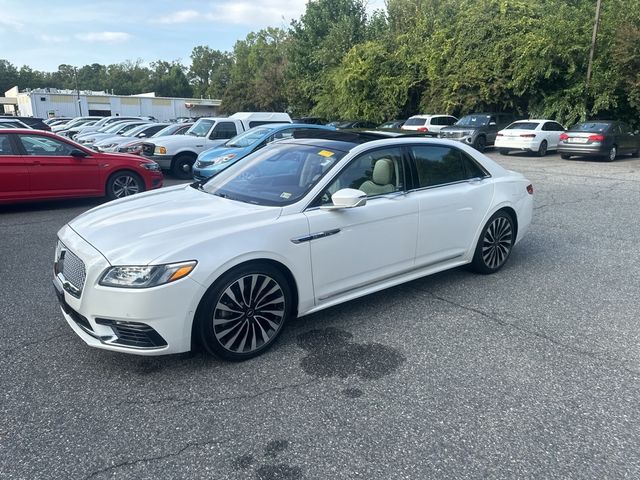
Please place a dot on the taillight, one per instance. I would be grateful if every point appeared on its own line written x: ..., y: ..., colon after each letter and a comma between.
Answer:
x: 596, y: 138
x: 528, y: 135
x: 564, y: 136
x: 422, y: 129
x: 530, y: 189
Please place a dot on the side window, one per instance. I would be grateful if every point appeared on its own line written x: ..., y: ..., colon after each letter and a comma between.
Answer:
x: 624, y: 128
x: 223, y: 131
x: 450, y: 120
x: 558, y: 127
x: 443, y: 165
x: 437, y: 121
x: 375, y: 173
x: 45, y: 146
x: 5, y: 145
x: 281, y: 135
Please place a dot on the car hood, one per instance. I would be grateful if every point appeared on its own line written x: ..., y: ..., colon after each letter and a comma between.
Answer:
x: 117, y: 139
x: 170, y: 140
x: 212, y: 153
x: 162, y: 225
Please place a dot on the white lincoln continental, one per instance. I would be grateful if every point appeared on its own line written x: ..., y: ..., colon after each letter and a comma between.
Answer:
x: 298, y: 226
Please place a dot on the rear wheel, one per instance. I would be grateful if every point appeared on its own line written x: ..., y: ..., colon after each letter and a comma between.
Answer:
x: 495, y: 244
x: 564, y: 156
x: 613, y: 153
x: 122, y: 184
x: 542, y: 149
x: 244, y: 312
x: 635, y: 154
x: 182, y: 166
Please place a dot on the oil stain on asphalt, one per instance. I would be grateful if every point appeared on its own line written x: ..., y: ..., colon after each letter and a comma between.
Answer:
x: 332, y: 353
x: 269, y: 470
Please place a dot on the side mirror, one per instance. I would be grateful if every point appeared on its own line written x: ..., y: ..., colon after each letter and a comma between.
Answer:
x: 347, y: 198
x: 76, y: 152
x: 141, y: 135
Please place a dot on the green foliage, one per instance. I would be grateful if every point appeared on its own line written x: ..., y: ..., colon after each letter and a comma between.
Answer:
x: 415, y: 56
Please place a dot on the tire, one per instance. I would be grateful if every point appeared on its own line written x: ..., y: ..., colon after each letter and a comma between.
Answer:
x: 542, y: 149
x: 504, y: 151
x: 480, y: 143
x: 123, y: 184
x: 613, y: 153
x: 564, y: 156
x: 635, y: 153
x: 495, y: 244
x: 182, y: 166
x: 232, y: 321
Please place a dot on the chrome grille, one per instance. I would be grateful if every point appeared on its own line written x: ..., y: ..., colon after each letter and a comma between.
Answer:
x: 148, y: 149
x: 72, y: 269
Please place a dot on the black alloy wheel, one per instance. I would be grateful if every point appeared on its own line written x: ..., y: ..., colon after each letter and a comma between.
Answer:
x: 123, y: 184
x: 495, y: 244
x: 244, y: 312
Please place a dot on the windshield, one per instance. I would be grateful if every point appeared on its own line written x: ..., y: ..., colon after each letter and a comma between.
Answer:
x: 591, y: 127
x: 473, y: 121
x: 415, y: 122
x: 249, y: 137
x: 136, y: 130
x: 277, y: 175
x: 168, y: 130
x: 201, y: 128
x: 523, y: 126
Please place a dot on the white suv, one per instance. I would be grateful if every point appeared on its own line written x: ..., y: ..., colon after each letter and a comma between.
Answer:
x: 430, y: 124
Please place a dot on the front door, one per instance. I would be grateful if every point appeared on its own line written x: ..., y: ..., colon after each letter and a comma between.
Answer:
x: 14, y: 174
x: 54, y: 172
x: 353, y: 248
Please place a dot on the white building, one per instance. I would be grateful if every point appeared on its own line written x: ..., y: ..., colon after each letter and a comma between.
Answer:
x: 50, y: 102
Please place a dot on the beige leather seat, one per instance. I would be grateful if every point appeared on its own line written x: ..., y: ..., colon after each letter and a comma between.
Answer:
x: 381, y: 180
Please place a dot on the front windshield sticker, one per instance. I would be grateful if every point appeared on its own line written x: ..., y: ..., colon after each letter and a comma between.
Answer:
x: 285, y: 195
x: 325, y: 153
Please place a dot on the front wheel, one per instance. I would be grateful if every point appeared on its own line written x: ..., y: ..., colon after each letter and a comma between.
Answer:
x: 244, y: 312
x: 495, y: 244
x: 183, y: 167
x: 480, y: 144
x: 122, y: 184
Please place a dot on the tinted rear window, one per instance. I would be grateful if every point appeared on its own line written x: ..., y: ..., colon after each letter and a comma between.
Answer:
x: 415, y: 121
x: 591, y: 127
x: 523, y: 126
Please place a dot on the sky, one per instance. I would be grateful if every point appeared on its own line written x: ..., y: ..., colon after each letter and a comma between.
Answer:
x: 44, y: 34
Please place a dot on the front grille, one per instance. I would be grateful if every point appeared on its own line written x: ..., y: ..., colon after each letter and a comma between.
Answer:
x: 452, y: 134
x: 133, y: 334
x: 75, y: 316
x: 73, y: 269
x: 148, y: 149
x: 203, y: 163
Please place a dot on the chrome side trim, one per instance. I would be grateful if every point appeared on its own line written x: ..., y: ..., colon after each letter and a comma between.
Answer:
x: 315, y: 236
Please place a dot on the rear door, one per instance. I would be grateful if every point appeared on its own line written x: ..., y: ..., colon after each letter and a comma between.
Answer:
x: 552, y: 131
x: 454, y: 194
x: 54, y: 172
x: 627, y: 139
x: 14, y: 174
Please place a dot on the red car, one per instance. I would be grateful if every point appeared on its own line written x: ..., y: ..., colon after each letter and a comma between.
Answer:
x: 37, y: 165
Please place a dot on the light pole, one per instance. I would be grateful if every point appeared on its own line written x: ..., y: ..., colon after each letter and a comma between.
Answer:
x: 593, y: 42
x: 75, y: 76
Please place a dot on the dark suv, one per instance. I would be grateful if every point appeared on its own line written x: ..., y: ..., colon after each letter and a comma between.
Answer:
x: 36, y: 123
x: 478, y: 129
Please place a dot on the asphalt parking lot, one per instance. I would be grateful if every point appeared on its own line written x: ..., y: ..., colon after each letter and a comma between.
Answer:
x: 530, y: 373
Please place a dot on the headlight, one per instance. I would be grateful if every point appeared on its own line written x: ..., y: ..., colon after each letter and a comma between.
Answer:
x: 160, y: 150
x: 130, y: 148
x: 111, y: 145
x: 223, y: 159
x: 146, y: 276
x: 151, y: 166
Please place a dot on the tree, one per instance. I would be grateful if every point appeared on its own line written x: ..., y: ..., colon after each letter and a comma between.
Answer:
x: 8, y: 76
x: 208, y: 71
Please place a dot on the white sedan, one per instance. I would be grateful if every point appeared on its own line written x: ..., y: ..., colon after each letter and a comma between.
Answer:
x: 538, y: 136
x: 294, y: 228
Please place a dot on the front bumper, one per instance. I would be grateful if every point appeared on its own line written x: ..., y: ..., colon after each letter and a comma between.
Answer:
x: 163, y: 160
x: 152, y: 321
